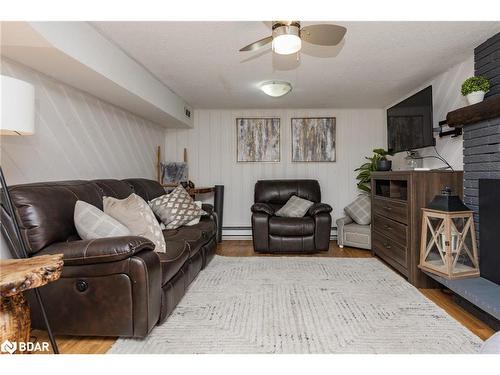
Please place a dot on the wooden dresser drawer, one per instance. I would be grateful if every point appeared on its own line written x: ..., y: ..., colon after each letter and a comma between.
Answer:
x: 387, y: 248
x: 390, y: 228
x: 390, y: 208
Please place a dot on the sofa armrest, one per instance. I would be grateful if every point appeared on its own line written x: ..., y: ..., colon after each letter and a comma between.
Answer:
x: 263, y: 208
x: 318, y: 208
x: 208, y: 208
x: 340, y: 229
x: 101, y: 250
x: 344, y: 221
x: 322, y: 230
x: 260, y: 231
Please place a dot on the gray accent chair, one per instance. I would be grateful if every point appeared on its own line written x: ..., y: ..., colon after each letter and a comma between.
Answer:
x: 350, y: 233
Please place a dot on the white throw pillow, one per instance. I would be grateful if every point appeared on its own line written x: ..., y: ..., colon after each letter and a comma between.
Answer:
x: 92, y: 223
x: 135, y: 213
x: 294, y: 207
x: 196, y: 220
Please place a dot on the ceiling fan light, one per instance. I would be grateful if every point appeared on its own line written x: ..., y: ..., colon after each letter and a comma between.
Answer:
x: 286, y: 38
x: 275, y: 88
x: 287, y: 44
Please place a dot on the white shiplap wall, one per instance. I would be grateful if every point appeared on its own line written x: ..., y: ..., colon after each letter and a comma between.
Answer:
x: 212, y: 155
x: 77, y: 136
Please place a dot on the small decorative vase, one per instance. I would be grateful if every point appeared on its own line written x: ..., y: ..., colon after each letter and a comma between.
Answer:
x: 384, y: 165
x: 475, y: 97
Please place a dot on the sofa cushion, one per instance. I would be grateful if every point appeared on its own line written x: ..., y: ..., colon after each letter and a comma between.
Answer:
x: 279, y: 191
x: 135, y: 214
x: 173, y: 259
x: 92, y: 223
x: 192, y: 236
x: 114, y: 188
x: 360, y: 210
x: 295, y: 207
x: 46, y: 209
x: 146, y: 189
x: 291, y: 226
x: 207, y: 226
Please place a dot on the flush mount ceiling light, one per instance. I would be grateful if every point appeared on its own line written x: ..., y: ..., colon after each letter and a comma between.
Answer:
x: 275, y: 88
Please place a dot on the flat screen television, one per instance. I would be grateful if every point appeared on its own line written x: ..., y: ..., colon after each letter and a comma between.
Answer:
x: 409, y: 123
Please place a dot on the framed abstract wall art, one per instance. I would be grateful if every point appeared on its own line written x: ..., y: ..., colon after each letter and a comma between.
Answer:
x: 313, y: 139
x: 258, y: 140
x: 173, y: 173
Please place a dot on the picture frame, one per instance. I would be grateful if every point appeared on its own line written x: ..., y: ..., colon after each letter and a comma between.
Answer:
x: 173, y: 173
x: 313, y: 139
x: 258, y: 140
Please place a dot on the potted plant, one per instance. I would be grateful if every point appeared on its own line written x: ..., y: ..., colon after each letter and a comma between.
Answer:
x: 383, y: 164
x: 378, y: 162
x: 474, y: 89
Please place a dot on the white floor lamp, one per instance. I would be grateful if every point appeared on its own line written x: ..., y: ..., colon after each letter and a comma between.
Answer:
x: 18, y: 118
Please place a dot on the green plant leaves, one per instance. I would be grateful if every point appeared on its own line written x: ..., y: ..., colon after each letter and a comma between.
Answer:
x: 364, y: 187
x: 473, y: 84
x: 380, y: 151
x: 366, y: 169
x: 363, y: 166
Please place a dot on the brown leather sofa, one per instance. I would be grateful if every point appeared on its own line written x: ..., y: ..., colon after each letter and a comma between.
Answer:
x: 112, y: 286
x: 273, y: 234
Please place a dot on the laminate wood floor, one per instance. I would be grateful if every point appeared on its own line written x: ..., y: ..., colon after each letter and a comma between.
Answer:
x: 243, y: 248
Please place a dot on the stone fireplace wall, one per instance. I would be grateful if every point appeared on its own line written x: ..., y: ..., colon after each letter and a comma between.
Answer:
x: 482, y: 140
x: 487, y: 63
x: 481, y: 160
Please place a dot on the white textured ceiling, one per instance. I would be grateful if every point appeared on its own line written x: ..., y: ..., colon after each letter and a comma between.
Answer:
x: 377, y: 63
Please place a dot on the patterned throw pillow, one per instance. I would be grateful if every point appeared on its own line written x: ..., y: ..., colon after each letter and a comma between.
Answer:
x: 135, y: 214
x: 295, y: 207
x: 360, y: 210
x: 92, y: 223
x: 197, y: 219
x: 176, y: 209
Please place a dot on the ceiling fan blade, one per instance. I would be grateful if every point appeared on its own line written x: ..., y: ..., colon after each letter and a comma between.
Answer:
x: 323, y: 35
x: 256, y: 55
x: 256, y: 45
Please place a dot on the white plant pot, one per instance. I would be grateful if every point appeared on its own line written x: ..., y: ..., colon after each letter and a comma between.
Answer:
x: 475, y: 97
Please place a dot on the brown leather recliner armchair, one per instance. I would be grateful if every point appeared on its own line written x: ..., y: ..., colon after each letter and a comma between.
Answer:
x: 274, y: 234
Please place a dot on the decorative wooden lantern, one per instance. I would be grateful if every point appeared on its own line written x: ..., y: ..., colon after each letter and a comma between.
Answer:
x: 448, y: 245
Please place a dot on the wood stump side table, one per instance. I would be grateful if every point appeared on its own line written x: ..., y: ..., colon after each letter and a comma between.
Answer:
x: 17, y: 276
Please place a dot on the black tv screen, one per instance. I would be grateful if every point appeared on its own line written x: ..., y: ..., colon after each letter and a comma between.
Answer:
x: 409, y: 123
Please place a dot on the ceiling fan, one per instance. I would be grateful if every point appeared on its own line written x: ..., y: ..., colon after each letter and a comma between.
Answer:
x: 287, y: 37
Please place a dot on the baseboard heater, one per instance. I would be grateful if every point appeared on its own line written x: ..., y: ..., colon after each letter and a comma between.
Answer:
x: 245, y: 233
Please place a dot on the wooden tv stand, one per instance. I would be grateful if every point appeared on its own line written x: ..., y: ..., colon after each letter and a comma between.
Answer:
x: 397, y: 200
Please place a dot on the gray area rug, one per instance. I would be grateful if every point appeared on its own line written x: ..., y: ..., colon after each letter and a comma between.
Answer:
x: 303, y: 305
